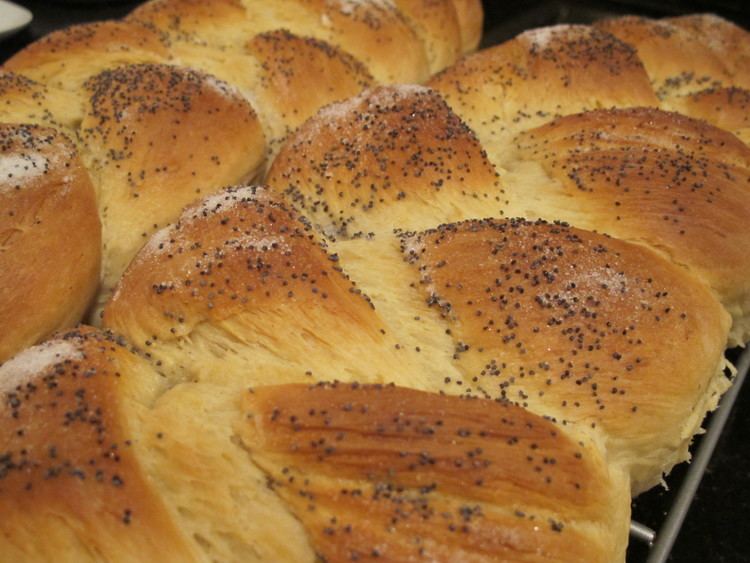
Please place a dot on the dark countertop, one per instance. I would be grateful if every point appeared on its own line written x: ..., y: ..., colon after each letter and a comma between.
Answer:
x: 716, y: 528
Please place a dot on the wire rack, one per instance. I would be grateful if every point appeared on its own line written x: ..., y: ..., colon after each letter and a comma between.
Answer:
x: 661, y: 541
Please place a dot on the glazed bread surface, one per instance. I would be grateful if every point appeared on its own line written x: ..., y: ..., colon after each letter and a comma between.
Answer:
x: 110, y: 463
x: 66, y: 58
x: 539, y: 75
x: 452, y: 309
x: 673, y: 183
x: 156, y: 138
x: 378, y: 160
x: 23, y: 100
x: 50, y: 236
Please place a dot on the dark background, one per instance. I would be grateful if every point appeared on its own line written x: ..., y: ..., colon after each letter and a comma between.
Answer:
x: 717, y: 528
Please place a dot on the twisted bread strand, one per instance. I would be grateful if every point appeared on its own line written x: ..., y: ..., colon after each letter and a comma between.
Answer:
x: 534, y: 386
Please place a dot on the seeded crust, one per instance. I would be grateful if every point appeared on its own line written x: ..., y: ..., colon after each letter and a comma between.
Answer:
x: 156, y: 138
x: 571, y: 324
x: 726, y: 108
x: 66, y: 58
x: 665, y: 180
x: 375, y: 33
x: 242, y: 291
x: 100, y: 461
x: 242, y: 280
x: 687, y: 54
x: 50, y: 236
x: 291, y: 84
x: 539, y: 75
x: 379, y: 471
x: 24, y: 101
x: 360, y: 148
x: 729, y: 41
x: 212, y: 293
x: 220, y: 23
x: 71, y: 480
x: 98, y: 452
x: 393, y: 157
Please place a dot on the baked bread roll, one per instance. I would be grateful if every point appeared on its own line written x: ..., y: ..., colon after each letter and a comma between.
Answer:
x: 687, y: 54
x: 376, y: 33
x: 85, y: 68
x: 340, y: 169
x: 65, y: 59
x: 156, y: 138
x: 239, y: 281
x: 665, y: 180
x: 570, y: 324
x: 378, y: 160
x: 539, y: 75
x: 24, y: 101
x: 243, y: 280
x: 50, y: 236
x: 286, y: 77
x: 102, y: 460
x: 380, y: 259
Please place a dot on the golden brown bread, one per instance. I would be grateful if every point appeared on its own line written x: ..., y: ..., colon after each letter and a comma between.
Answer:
x: 97, y: 453
x: 375, y: 33
x: 24, y: 101
x: 156, y: 138
x: 221, y: 23
x: 398, y: 474
x: 362, y: 167
x: 289, y: 87
x: 470, y: 20
x: 377, y: 161
x: 50, y: 236
x: 66, y: 58
x: 276, y: 70
x: 571, y: 324
x: 726, y: 108
x: 729, y: 41
x: 699, y: 64
x: 100, y: 462
x: 437, y: 26
x: 243, y: 291
x: 240, y: 280
x: 71, y: 484
x: 673, y: 183
x: 539, y: 75
x: 243, y: 280
x: 688, y: 54
x: 335, y: 169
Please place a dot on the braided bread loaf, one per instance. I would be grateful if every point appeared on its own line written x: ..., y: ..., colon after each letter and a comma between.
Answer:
x: 395, y: 348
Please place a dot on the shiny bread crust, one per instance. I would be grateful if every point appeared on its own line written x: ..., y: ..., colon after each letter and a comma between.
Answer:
x: 496, y: 388
x: 50, y: 236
